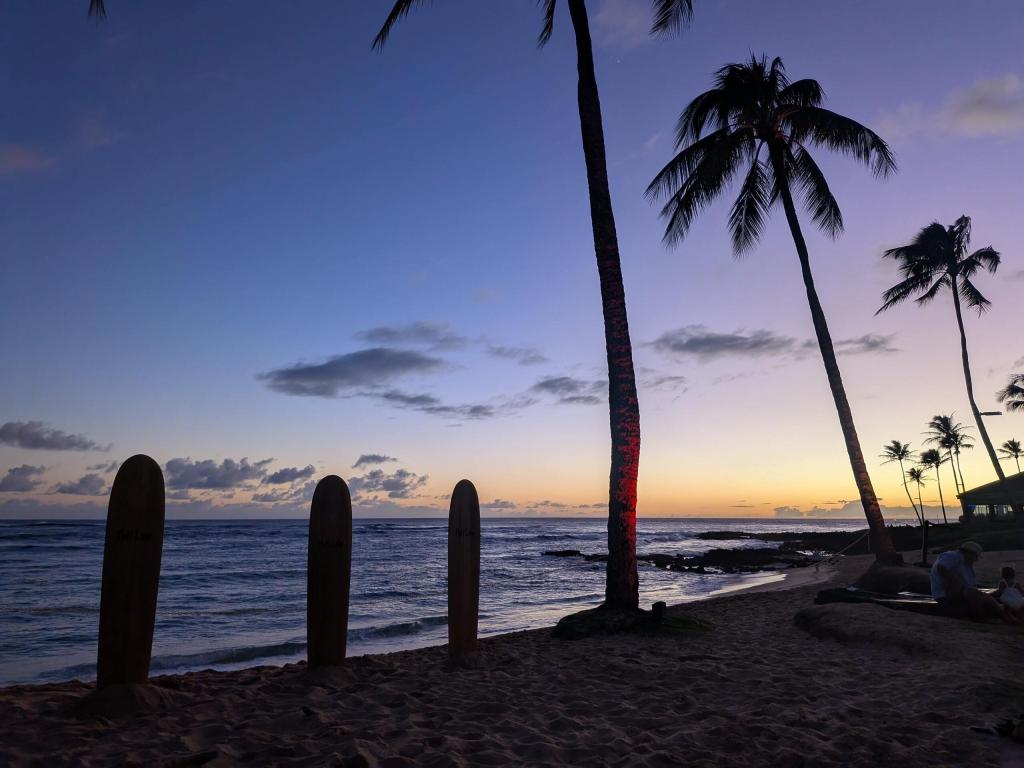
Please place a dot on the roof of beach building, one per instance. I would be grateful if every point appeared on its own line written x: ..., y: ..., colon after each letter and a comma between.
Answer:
x: 994, y: 493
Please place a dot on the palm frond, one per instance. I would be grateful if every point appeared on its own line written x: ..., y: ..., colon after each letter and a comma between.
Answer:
x: 746, y: 220
x: 802, y: 93
x: 710, y: 105
x: 932, y: 292
x: 398, y: 12
x: 671, y: 16
x: 1013, y: 393
x: 972, y: 297
x: 817, y: 195
x: 97, y: 9
x: 986, y: 258
x: 549, y: 22
x: 841, y: 134
x: 677, y: 170
x: 903, y: 291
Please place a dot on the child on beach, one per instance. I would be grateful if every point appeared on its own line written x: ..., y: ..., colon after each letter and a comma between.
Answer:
x: 1010, y: 593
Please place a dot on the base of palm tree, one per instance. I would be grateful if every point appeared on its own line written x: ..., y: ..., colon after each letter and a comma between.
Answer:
x: 604, y: 620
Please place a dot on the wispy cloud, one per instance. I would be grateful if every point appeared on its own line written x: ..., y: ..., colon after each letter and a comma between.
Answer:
x: 21, y: 479
x: 207, y: 474
x: 623, y: 24
x: 290, y: 474
x: 569, y: 390
x: 706, y: 345
x: 521, y: 355
x: 436, y: 335
x: 86, y: 485
x: 21, y: 158
x: 989, y: 107
x: 36, y: 435
x: 368, y: 459
x: 343, y: 374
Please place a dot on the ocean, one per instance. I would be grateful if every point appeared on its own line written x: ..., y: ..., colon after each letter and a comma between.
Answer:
x: 233, y: 593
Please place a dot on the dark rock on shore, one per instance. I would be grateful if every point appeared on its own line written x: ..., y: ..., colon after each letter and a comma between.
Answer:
x: 713, y: 561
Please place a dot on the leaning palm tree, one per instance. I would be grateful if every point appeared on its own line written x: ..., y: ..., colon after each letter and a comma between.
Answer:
x: 1011, y: 450
x: 935, y: 259
x: 900, y: 452
x: 1013, y: 393
x: 951, y: 436
x: 621, y: 585
x: 916, y: 475
x: 934, y: 460
x: 760, y: 123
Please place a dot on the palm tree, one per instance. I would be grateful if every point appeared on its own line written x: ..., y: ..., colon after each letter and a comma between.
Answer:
x: 951, y: 436
x: 621, y: 584
x: 900, y: 452
x: 933, y: 459
x: 96, y: 8
x: 1013, y: 393
x: 1011, y: 450
x: 935, y: 259
x: 916, y: 475
x: 752, y: 109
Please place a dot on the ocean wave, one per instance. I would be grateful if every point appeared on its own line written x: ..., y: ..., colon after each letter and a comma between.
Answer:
x: 399, y: 629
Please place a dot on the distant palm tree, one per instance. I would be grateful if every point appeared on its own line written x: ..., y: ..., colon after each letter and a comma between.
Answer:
x: 933, y: 459
x: 900, y: 452
x: 951, y: 436
x: 621, y: 586
x: 916, y: 475
x: 753, y: 107
x: 1013, y: 393
x: 1011, y: 450
x: 935, y: 259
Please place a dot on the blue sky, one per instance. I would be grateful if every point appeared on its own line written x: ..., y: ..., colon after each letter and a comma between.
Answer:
x: 195, y: 195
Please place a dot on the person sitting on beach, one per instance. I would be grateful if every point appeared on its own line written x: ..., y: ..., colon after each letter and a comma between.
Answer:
x: 1010, y: 593
x: 954, y: 587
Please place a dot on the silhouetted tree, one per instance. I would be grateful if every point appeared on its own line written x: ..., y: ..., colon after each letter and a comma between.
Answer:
x: 754, y: 109
x: 900, y: 452
x: 916, y: 475
x: 933, y: 459
x: 1013, y: 393
x: 621, y: 586
x: 936, y: 259
x: 951, y: 436
x: 1011, y: 450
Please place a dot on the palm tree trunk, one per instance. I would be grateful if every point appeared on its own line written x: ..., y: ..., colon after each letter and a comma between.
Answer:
x: 1018, y: 509
x: 621, y: 584
x: 960, y: 471
x: 906, y: 488
x: 920, y: 503
x: 938, y: 480
x: 881, y: 543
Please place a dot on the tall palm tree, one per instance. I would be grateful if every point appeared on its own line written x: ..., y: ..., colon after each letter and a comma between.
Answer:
x: 916, y: 475
x: 1013, y: 393
x: 951, y: 436
x: 1011, y: 450
x: 933, y: 459
x: 621, y: 585
x: 754, y: 109
x: 935, y: 259
x: 900, y: 452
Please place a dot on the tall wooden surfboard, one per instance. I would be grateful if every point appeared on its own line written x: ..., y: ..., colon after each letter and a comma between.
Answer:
x: 328, y: 573
x: 463, y: 570
x: 131, y: 573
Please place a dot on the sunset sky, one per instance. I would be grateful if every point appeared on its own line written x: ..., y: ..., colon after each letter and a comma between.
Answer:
x: 238, y: 240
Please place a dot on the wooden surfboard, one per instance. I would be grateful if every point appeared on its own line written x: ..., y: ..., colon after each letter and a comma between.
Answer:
x: 328, y: 573
x: 131, y: 573
x: 463, y: 570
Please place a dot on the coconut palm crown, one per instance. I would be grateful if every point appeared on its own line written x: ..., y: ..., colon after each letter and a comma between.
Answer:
x: 1012, y: 395
x: 1011, y: 449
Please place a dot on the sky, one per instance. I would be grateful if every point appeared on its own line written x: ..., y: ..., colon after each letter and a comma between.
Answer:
x: 238, y: 240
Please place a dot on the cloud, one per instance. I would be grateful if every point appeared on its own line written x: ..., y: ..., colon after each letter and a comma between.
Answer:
x: 522, y: 355
x: 571, y: 391
x: 623, y: 23
x: 869, y: 343
x: 208, y: 474
x: 400, y: 484
x: 20, y: 479
x: 21, y: 158
x: 437, y: 335
x: 290, y: 475
x: 86, y: 485
x: 35, y: 435
x: 103, y: 469
x: 705, y: 345
x: 372, y: 458
x: 988, y: 107
x: 499, y: 504
x: 342, y: 374
x: 665, y: 383
x: 434, y: 406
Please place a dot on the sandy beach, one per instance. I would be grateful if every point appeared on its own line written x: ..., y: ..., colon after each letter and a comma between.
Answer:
x: 875, y: 687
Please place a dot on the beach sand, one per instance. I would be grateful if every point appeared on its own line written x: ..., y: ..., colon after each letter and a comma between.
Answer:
x: 877, y: 688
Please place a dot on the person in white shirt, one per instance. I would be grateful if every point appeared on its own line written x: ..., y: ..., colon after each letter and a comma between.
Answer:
x: 1010, y: 593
